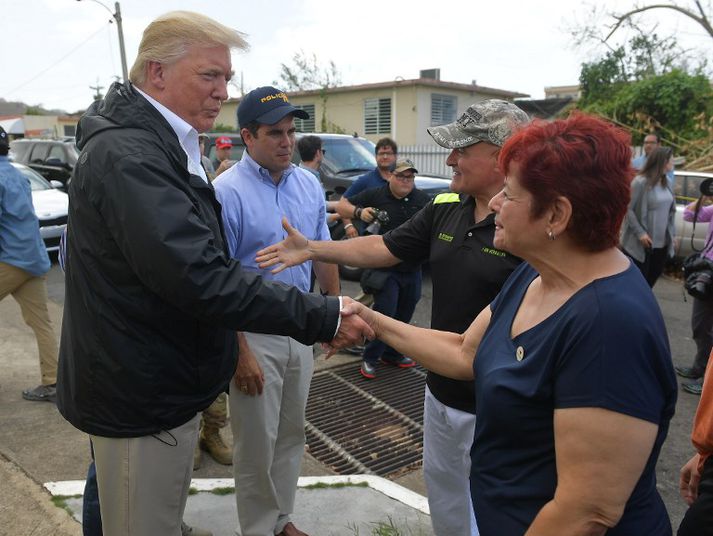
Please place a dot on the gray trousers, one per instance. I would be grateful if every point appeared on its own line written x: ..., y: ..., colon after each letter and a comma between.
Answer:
x: 269, y: 436
x: 702, y: 326
x: 447, y: 438
x: 144, y: 481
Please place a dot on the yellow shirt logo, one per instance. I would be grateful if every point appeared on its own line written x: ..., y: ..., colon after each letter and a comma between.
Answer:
x: 445, y: 237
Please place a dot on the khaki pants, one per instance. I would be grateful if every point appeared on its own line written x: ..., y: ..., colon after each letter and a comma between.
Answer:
x: 269, y: 435
x: 31, y: 293
x: 144, y: 481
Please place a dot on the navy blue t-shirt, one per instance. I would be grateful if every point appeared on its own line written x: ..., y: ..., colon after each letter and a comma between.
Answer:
x: 606, y: 347
x: 372, y: 179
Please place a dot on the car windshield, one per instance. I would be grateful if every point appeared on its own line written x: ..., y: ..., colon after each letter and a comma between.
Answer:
x: 37, y: 182
x: 349, y: 154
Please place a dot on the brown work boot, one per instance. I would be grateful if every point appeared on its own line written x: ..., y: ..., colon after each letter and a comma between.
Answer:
x: 197, y: 457
x: 291, y: 530
x: 213, y: 444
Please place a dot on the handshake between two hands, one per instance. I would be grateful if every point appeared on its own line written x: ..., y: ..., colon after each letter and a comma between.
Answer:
x: 357, y: 325
x: 357, y: 322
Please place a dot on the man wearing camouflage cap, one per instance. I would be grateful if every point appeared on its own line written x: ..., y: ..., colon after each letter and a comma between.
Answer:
x: 455, y: 234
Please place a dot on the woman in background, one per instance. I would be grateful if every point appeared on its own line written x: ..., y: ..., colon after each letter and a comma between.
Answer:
x: 648, y: 231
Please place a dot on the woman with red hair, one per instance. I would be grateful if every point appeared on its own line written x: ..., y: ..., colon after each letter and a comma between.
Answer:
x: 574, y: 382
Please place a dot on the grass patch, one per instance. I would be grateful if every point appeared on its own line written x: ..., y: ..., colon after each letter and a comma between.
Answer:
x: 60, y: 501
x: 223, y: 491
x: 322, y: 485
x: 386, y: 528
x: 228, y: 490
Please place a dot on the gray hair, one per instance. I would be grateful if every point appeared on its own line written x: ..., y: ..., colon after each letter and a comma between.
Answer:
x: 166, y: 39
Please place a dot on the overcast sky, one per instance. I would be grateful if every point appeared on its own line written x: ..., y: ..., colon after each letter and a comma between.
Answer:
x: 54, y: 50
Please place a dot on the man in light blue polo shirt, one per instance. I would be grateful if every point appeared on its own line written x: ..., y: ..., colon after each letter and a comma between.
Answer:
x: 269, y: 392
x: 23, y: 265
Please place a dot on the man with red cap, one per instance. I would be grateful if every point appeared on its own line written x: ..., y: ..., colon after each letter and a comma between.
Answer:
x: 223, y: 147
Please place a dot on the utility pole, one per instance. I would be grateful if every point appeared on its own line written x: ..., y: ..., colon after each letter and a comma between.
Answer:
x: 97, y: 88
x: 122, y: 51
x: 120, y: 29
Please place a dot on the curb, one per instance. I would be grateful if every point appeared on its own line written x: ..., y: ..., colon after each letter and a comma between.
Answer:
x: 377, y: 483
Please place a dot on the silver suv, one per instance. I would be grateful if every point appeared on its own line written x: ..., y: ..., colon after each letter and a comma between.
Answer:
x: 53, y: 159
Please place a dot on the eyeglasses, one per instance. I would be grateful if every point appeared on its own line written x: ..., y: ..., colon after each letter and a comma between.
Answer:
x: 404, y: 178
x: 385, y: 153
x: 324, y: 151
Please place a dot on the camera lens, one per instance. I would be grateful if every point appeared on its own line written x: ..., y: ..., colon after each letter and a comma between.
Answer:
x: 701, y: 284
x: 706, y: 187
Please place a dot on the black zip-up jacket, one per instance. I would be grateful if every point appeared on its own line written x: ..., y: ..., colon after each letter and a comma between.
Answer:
x: 152, y: 298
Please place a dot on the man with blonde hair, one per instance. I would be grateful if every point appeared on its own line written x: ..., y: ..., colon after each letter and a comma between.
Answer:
x: 153, y: 299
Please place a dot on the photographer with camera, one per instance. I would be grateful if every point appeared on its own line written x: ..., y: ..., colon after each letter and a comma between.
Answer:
x: 397, y: 288
x: 698, y: 274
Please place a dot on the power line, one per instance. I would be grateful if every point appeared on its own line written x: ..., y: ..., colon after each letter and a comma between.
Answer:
x: 56, y: 62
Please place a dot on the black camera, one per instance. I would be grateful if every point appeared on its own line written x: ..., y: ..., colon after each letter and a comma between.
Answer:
x: 698, y: 277
x: 706, y: 187
x: 381, y: 217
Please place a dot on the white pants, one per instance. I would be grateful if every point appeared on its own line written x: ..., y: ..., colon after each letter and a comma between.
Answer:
x: 144, y: 481
x: 269, y: 434
x: 447, y: 438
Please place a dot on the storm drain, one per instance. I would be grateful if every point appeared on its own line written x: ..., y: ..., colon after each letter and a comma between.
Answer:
x: 359, y: 426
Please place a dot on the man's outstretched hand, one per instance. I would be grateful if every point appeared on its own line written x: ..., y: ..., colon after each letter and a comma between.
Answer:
x: 292, y: 251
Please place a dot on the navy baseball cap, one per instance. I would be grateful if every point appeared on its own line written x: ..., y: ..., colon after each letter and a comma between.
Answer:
x: 266, y: 105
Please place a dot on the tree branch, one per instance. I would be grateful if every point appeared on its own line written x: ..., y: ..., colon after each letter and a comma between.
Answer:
x: 702, y: 20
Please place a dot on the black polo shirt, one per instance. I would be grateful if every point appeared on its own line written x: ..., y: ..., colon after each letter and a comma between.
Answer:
x: 466, y: 270
x: 399, y: 210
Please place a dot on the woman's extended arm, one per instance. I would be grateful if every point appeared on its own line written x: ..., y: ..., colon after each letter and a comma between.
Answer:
x: 448, y: 354
x: 600, y: 457
x: 705, y: 213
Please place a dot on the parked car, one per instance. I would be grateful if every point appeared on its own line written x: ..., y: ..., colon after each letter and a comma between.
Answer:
x: 53, y: 159
x: 687, y: 189
x: 51, y: 206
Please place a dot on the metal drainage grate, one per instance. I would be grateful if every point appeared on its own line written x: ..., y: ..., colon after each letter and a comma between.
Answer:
x: 375, y: 427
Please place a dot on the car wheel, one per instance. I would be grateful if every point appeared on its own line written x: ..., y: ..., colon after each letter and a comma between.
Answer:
x: 350, y: 273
